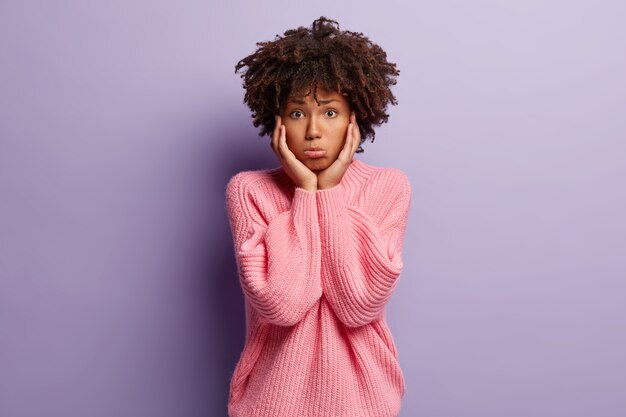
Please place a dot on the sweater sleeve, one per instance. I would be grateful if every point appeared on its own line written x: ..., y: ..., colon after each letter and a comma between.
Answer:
x: 278, y: 258
x: 362, y: 249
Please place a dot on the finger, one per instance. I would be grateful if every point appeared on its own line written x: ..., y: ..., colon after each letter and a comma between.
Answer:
x: 351, y: 143
x: 275, y: 135
x: 348, y: 145
x: 356, y: 133
x: 283, y: 149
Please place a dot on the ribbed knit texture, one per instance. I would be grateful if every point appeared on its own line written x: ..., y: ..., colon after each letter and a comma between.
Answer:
x: 316, y: 270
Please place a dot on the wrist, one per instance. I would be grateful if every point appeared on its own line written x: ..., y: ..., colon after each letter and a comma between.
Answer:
x: 324, y: 186
x: 312, y: 187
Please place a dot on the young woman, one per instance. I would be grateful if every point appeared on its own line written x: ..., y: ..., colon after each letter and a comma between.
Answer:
x: 318, y: 240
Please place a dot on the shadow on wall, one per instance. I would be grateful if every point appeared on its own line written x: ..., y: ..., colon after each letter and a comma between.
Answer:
x: 236, y: 150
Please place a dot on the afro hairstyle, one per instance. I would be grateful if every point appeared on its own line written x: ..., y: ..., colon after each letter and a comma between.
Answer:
x: 322, y: 55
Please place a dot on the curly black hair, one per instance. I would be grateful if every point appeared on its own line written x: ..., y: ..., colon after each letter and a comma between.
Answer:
x: 323, y: 55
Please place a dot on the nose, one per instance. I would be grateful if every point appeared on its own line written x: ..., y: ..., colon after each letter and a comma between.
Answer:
x: 313, y: 129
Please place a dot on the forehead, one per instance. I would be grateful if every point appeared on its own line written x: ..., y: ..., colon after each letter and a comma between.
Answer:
x: 324, y: 96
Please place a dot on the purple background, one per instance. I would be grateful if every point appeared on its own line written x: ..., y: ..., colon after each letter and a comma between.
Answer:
x: 121, y: 121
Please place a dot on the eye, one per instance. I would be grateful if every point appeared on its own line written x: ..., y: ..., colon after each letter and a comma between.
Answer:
x: 296, y: 114
x: 331, y: 113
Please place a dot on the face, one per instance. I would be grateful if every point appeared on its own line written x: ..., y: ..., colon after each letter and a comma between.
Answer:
x: 316, y: 133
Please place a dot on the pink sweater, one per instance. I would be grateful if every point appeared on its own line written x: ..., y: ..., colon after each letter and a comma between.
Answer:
x: 316, y: 270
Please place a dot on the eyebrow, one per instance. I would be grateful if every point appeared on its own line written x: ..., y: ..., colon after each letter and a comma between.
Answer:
x: 301, y: 101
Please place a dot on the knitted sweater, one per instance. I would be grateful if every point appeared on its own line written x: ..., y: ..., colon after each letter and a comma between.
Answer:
x: 316, y: 270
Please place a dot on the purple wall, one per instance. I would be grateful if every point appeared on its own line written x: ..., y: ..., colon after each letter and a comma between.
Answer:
x: 120, y: 123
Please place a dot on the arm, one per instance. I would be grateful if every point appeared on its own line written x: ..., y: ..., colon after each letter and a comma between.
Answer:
x: 278, y: 259
x: 362, y: 247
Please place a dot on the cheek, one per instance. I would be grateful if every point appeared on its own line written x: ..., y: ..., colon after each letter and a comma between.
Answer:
x: 289, y: 135
x: 341, y: 136
x: 345, y: 131
x: 292, y: 133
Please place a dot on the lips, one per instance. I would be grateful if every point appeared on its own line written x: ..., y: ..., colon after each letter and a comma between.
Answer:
x: 314, y: 152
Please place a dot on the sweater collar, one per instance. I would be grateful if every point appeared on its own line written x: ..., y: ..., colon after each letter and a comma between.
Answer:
x: 357, y: 173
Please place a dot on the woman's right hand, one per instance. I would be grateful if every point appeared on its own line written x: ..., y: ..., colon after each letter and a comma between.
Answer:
x: 299, y: 173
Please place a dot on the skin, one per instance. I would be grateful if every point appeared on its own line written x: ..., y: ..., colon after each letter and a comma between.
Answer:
x: 330, y: 125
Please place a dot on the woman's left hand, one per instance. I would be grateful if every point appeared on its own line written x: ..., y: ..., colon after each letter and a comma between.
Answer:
x: 332, y: 175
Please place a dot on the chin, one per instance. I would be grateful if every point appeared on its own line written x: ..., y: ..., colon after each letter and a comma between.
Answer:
x: 317, y: 164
